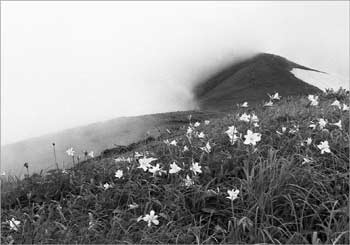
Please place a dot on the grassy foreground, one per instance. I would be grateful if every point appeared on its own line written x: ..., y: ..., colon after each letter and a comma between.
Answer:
x: 291, y: 188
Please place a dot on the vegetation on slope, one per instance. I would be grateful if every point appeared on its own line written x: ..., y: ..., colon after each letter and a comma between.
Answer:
x: 283, y: 189
x: 94, y: 137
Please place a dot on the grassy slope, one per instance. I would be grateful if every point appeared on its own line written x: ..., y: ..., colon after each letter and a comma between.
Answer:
x: 97, y: 137
x: 281, y: 200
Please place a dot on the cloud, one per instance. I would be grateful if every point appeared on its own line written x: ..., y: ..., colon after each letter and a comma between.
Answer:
x: 72, y: 63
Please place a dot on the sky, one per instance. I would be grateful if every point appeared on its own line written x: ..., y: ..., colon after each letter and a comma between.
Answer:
x: 66, y: 64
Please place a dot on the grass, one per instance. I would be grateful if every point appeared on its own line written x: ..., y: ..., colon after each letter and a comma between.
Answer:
x: 281, y: 199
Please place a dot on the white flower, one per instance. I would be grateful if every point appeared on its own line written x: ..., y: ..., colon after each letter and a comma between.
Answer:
x: 245, y: 104
x: 338, y: 124
x: 189, y: 132
x: 206, y: 122
x: 322, y: 123
x: 91, y: 154
x: 245, y: 117
x: 324, y: 147
x: 185, y: 148
x: 206, y: 148
x: 70, y: 152
x: 284, y: 129
x: 252, y: 138
x: 106, y: 186
x: 155, y: 169
x: 254, y: 118
x: 196, y: 168
x: 274, y: 97
x: 14, y: 224
x: 313, y: 99
x: 173, y: 142
x: 174, y: 168
x: 345, y: 107
x: 231, y: 132
x: 336, y: 103
x: 308, y: 141
x: 294, y: 130
x: 306, y: 160
x: 197, y: 124
x: 213, y: 192
x: 133, y: 206
x: 268, y: 104
x: 122, y: 159
x: 145, y: 163
x: 201, y: 135
x: 233, y: 194
x: 151, y: 218
x: 312, y: 125
x: 119, y: 174
x: 188, y: 181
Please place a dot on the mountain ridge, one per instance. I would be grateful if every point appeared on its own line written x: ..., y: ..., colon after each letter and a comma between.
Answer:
x: 262, y: 73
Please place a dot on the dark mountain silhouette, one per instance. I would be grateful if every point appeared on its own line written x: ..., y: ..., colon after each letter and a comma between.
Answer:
x: 251, y: 80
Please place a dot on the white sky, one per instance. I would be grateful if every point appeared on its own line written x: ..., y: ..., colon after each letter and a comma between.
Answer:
x: 66, y: 64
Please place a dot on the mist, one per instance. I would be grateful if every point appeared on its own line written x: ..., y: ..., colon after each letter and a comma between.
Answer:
x: 66, y: 64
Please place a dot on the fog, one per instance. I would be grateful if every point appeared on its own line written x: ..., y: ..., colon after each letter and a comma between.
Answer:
x: 65, y: 64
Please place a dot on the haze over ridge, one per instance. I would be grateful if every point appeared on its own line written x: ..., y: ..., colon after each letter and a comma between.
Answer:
x: 132, y: 59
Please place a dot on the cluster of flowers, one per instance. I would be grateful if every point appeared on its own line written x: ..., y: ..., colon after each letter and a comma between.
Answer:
x: 250, y: 138
x: 14, y: 224
x: 71, y: 152
x: 148, y: 163
x: 273, y: 98
x: 314, y: 101
x: 153, y: 218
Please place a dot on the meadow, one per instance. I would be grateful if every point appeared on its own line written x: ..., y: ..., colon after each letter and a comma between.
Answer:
x: 273, y: 173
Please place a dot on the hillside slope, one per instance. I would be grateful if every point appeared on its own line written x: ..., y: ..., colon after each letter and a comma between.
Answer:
x: 251, y: 80
x: 38, y: 152
x: 286, y: 184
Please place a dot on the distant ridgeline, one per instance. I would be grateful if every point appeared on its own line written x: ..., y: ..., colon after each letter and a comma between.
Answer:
x: 251, y: 80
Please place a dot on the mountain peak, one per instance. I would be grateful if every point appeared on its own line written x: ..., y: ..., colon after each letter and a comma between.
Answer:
x: 251, y: 80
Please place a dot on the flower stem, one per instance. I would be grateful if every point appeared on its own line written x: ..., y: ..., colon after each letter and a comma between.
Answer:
x: 232, y: 208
